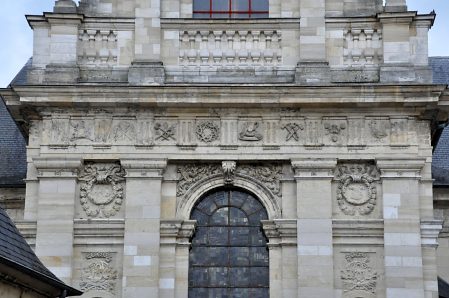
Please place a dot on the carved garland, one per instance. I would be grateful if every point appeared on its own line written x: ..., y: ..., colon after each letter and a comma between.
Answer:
x: 357, y: 188
x: 101, y: 189
x: 358, y: 275
x: 98, y: 275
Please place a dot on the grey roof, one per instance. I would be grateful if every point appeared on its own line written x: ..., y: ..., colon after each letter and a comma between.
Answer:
x: 440, y: 67
x: 16, y: 253
x: 12, y: 150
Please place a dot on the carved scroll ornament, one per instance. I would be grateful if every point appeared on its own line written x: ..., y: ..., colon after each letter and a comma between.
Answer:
x: 357, y: 188
x: 358, y: 275
x: 98, y: 275
x: 101, y: 189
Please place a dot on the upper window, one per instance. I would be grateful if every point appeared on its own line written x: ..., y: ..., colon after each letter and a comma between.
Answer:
x: 234, y: 9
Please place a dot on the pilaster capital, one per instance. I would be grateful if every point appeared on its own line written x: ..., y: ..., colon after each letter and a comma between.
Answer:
x: 311, y: 168
x: 280, y: 232
x: 430, y: 230
x: 57, y: 167
x: 400, y: 168
x: 144, y: 168
x: 177, y: 232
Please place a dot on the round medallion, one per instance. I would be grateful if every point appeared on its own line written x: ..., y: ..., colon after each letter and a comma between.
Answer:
x: 207, y: 131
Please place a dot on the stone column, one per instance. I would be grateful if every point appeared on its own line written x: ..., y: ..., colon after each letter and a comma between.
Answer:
x: 313, y: 66
x: 55, y: 213
x: 183, y: 238
x: 395, y: 5
x: 402, y: 227
x: 147, y: 67
x: 314, y: 211
x: 282, y: 244
x: 142, y: 235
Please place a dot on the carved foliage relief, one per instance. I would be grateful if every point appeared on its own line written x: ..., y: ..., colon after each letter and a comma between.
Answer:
x: 358, y: 274
x: 101, y: 189
x: 268, y: 175
x: 357, y: 188
x: 98, y: 274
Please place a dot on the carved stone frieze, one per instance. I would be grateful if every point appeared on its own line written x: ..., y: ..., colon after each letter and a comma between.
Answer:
x: 378, y: 129
x: 333, y: 130
x: 292, y: 129
x: 207, y: 131
x: 358, y: 275
x: 81, y: 129
x: 124, y: 131
x: 165, y: 131
x: 357, y: 188
x: 98, y: 274
x: 101, y: 189
x: 250, y: 132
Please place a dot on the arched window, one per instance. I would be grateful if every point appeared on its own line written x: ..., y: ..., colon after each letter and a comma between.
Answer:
x: 229, y: 255
x: 234, y: 9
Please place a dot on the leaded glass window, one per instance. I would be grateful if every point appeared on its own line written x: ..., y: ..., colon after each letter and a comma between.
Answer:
x: 229, y: 256
x: 234, y: 9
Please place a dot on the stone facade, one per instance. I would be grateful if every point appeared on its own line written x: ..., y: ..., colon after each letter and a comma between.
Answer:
x: 324, y: 112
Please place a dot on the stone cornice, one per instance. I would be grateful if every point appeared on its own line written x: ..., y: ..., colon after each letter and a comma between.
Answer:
x: 239, y: 95
x: 54, y: 167
x: 144, y: 168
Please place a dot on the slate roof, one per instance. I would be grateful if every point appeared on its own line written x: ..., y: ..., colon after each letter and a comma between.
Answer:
x: 15, y: 252
x: 440, y: 168
x: 12, y: 150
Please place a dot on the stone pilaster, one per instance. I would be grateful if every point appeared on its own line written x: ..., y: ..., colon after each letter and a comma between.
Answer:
x: 55, y: 213
x: 142, y: 233
x: 174, y: 257
x: 147, y: 69
x: 402, y: 227
x: 395, y: 5
x: 282, y: 245
x: 312, y: 67
x: 314, y: 212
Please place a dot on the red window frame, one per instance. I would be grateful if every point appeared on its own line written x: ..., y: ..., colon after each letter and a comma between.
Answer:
x: 231, y: 12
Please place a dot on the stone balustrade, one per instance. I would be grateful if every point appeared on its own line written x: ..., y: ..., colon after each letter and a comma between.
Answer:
x: 363, y: 47
x: 97, y: 47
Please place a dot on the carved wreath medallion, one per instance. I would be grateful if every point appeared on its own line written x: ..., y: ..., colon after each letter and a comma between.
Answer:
x: 357, y: 188
x: 207, y: 131
x: 98, y: 275
x: 358, y: 275
x: 101, y: 189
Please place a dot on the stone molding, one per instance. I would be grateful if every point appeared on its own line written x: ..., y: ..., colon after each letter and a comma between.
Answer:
x: 177, y: 232
x: 53, y: 167
x: 280, y: 232
x: 98, y: 231
x: 314, y: 168
x: 358, y: 232
x: 400, y: 168
x: 144, y: 168
x: 430, y: 230
x: 263, y: 180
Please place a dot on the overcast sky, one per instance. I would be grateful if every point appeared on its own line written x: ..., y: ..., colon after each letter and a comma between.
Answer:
x: 16, y: 36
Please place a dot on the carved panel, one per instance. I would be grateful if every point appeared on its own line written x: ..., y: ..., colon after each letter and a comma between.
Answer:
x: 335, y: 130
x: 192, y: 173
x: 207, y: 131
x: 98, y: 274
x: 250, y: 131
x: 101, y: 189
x: 293, y: 131
x: 124, y: 131
x: 165, y: 131
x: 357, y: 188
x: 358, y: 274
x: 268, y: 174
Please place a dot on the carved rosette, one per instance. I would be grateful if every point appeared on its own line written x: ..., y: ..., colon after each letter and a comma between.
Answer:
x: 207, y: 131
x: 98, y: 274
x: 357, y: 188
x: 101, y: 189
x: 358, y: 275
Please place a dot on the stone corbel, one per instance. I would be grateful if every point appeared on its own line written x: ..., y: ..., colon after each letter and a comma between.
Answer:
x: 144, y: 168
x: 400, y: 168
x: 280, y: 232
x: 177, y: 232
x: 53, y: 167
x: 430, y: 230
x: 314, y: 168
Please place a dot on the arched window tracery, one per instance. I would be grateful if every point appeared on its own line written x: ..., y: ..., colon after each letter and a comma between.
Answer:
x: 229, y: 256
